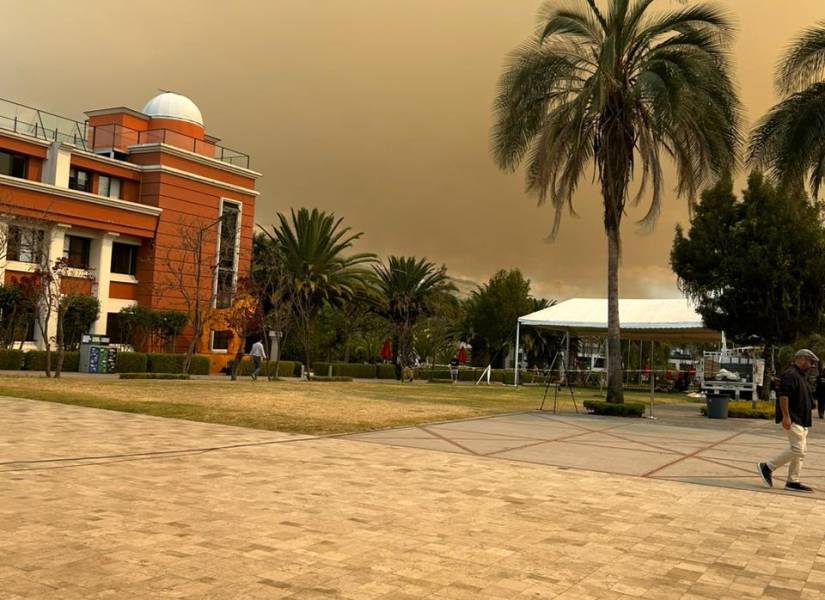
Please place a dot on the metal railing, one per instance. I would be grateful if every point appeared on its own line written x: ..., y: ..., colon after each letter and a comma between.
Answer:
x: 43, y: 125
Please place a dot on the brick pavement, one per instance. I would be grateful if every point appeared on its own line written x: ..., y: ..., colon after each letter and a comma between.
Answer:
x: 97, y: 504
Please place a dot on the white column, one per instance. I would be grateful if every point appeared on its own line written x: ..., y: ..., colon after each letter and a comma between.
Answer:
x: 57, y: 238
x: 101, y: 263
x: 57, y: 165
x: 4, y: 240
x: 515, y: 374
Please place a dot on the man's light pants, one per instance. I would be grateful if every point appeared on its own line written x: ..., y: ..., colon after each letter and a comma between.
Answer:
x: 793, y: 456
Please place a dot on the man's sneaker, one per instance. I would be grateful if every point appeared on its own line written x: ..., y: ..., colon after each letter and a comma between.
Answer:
x: 795, y: 486
x: 765, y: 473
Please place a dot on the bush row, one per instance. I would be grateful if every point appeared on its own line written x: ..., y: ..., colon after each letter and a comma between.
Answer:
x: 474, y: 374
x: 126, y: 362
x: 286, y: 368
x: 612, y: 409
x: 155, y: 376
x: 330, y: 379
x: 745, y: 410
x: 354, y: 370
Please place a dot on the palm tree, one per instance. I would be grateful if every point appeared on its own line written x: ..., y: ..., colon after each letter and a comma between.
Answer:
x: 618, y: 88
x: 312, y: 248
x: 408, y: 288
x: 787, y: 141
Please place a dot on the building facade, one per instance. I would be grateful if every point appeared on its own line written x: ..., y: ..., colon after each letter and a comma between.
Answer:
x: 123, y: 197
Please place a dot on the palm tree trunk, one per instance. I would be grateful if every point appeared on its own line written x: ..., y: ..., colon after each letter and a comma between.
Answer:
x: 615, y: 388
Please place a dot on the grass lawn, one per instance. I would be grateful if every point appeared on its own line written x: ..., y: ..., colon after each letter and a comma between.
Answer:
x: 297, y: 406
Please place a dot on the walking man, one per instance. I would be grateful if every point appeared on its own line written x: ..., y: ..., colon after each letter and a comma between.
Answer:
x: 793, y: 410
x: 258, y: 354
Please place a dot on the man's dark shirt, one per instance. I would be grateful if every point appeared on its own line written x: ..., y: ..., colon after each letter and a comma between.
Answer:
x: 800, y: 400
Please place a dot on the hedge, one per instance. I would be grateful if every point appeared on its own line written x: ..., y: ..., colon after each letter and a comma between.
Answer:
x: 356, y: 371
x: 330, y: 379
x: 181, y: 376
x: 286, y: 368
x: 614, y: 409
x: 385, y: 371
x: 173, y: 363
x: 745, y: 410
x: 11, y: 360
x: 131, y: 362
x: 439, y: 380
x: 35, y: 360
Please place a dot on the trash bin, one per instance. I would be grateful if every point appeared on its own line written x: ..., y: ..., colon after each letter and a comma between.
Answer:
x: 718, y: 407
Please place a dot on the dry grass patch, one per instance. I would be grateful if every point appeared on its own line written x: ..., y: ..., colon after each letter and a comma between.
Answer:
x: 291, y: 405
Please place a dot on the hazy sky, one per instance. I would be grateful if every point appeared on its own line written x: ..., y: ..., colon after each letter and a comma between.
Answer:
x: 378, y: 110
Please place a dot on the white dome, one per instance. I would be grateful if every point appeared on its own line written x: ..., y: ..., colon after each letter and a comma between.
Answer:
x: 169, y: 105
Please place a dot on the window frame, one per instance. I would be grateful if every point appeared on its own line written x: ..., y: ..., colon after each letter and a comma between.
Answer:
x: 73, y: 185
x: 134, y: 248
x: 212, y: 337
x: 37, y: 244
x: 110, y: 180
x: 216, y: 291
x: 21, y: 159
x: 67, y: 251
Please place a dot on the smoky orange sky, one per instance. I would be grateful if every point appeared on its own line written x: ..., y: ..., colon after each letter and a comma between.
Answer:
x: 378, y: 110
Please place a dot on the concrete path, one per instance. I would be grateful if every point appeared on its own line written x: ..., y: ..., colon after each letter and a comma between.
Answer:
x: 98, y: 504
x: 679, y: 445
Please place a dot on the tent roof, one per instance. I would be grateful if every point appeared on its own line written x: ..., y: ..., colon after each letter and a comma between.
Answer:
x: 669, y: 319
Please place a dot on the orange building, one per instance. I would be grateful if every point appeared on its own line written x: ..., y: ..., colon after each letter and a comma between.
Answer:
x: 121, y: 196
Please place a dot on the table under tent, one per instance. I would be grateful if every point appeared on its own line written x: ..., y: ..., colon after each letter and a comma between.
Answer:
x: 649, y: 320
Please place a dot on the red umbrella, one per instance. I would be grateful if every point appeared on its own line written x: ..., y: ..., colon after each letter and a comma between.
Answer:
x: 386, y: 350
x: 462, y: 355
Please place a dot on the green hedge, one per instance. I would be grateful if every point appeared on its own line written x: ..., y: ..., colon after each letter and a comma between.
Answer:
x: 35, y: 360
x: 385, y: 371
x: 745, y: 410
x: 173, y: 363
x: 356, y: 371
x: 181, y: 376
x: 286, y: 368
x: 612, y: 409
x: 131, y: 362
x: 11, y: 360
x: 439, y: 380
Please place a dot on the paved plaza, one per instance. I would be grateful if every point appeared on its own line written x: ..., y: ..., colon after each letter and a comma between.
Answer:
x: 99, y: 504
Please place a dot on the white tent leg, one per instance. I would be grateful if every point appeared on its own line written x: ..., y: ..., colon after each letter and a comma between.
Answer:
x: 515, y: 367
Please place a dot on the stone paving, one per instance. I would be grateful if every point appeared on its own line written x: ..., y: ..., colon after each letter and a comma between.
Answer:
x: 98, y: 504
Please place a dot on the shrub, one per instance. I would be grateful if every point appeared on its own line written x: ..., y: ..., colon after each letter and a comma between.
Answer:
x: 131, y: 362
x: 356, y: 371
x: 745, y: 410
x: 286, y: 368
x: 612, y: 409
x: 11, y: 360
x: 385, y: 371
x: 321, y: 369
x: 181, y: 376
x: 173, y: 363
x: 330, y: 379
x: 35, y: 360
x: 439, y: 380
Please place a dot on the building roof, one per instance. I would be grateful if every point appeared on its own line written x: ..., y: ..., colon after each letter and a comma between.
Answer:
x: 649, y: 319
x: 170, y: 105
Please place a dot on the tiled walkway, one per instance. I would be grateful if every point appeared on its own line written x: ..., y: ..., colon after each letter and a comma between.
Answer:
x: 97, y: 504
x: 680, y: 446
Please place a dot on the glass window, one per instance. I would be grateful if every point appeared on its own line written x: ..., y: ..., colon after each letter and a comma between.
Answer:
x: 227, y: 253
x: 76, y: 251
x: 124, y: 258
x: 115, y: 328
x: 108, y: 186
x: 12, y: 164
x: 80, y: 180
x: 25, y: 244
x: 220, y: 340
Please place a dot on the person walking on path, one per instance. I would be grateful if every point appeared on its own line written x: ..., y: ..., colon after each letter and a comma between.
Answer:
x: 258, y: 354
x: 793, y: 410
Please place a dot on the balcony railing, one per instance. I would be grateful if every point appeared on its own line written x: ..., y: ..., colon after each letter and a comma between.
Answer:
x: 43, y: 125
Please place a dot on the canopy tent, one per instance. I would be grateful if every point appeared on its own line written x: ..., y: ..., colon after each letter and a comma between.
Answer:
x: 674, y: 320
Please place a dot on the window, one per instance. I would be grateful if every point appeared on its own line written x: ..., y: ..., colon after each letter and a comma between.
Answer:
x: 80, y: 180
x: 25, y: 244
x: 220, y: 340
x: 227, y: 253
x: 124, y: 259
x: 108, y: 186
x: 116, y: 328
x: 12, y: 164
x: 76, y: 251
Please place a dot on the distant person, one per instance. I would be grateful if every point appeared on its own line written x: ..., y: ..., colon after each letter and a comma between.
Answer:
x: 793, y: 410
x: 819, y: 392
x: 258, y: 354
x: 454, y: 369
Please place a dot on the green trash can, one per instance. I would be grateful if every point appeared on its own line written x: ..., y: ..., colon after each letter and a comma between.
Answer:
x: 718, y: 407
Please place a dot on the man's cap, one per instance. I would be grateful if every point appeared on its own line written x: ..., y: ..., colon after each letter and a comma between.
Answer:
x: 807, y: 354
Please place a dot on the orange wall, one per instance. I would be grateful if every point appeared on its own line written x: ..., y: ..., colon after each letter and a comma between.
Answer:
x: 76, y: 285
x: 123, y: 291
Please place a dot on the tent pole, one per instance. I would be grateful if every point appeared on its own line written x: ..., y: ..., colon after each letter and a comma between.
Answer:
x: 652, y: 379
x: 515, y: 367
x: 567, y: 358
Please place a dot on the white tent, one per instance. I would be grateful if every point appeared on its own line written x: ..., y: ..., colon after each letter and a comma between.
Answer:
x: 673, y: 320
